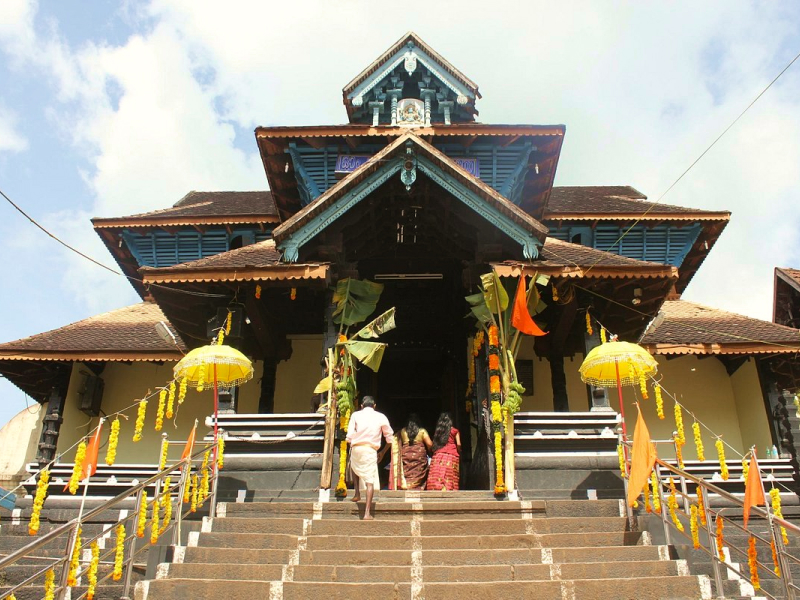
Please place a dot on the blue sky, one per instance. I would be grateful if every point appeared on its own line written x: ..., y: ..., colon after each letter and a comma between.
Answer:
x: 111, y: 108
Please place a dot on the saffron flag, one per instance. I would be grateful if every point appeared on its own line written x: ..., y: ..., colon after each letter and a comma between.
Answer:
x: 187, y: 450
x: 753, y: 489
x: 89, y: 466
x: 642, y: 460
x: 520, y: 317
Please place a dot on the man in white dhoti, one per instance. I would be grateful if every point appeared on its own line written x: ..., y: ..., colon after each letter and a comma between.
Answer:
x: 364, y: 436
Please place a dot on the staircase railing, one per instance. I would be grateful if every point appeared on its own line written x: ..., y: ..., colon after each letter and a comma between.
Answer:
x: 69, y: 533
x: 719, y: 505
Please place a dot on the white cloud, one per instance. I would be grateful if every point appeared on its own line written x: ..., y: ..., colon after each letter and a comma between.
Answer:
x: 10, y: 139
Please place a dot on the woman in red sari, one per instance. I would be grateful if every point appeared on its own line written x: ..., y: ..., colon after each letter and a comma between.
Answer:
x: 410, y: 456
x: 443, y: 473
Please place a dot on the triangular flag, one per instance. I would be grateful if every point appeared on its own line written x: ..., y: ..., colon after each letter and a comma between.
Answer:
x: 89, y: 466
x: 520, y: 317
x: 642, y: 460
x: 753, y: 489
x: 187, y: 450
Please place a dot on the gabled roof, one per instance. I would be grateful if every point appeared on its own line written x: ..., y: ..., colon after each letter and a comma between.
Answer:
x: 203, y: 208
x: 256, y: 262
x: 125, y: 334
x: 564, y: 259
x: 683, y: 327
x: 786, y: 297
x: 618, y: 202
x: 283, y: 232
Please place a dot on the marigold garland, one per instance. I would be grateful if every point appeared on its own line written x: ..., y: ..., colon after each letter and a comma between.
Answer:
x: 723, y: 466
x: 38, y: 501
x: 140, y: 416
x: 680, y: 435
x: 75, y: 478
x: 698, y: 442
x: 170, y: 412
x: 603, y: 335
x: 656, y: 491
x: 694, y: 528
x: 555, y: 293
x: 166, y: 504
x: 745, y: 468
x: 775, y: 558
x: 142, y: 516
x: 341, y: 486
x: 659, y: 400
x: 701, y: 507
x: 679, y: 453
x: 646, y: 491
x: 775, y: 496
x: 182, y: 391
x: 220, y: 454
x: 589, y: 329
x: 162, y: 461
x: 494, y: 362
x: 162, y: 405
x: 74, y: 561
x: 493, y: 336
x: 91, y: 574
x: 672, y: 504
x: 195, y: 491
x: 622, y: 466
x: 119, y: 554
x: 643, y: 385
x: 499, y: 485
x: 187, y: 490
x: 258, y: 292
x: 49, y: 585
x: 752, y: 562
x: 221, y: 337
x: 155, y: 521
x: 228, y: 321
x: 113, y: 442
x: 293, y: 294
x: 477, y: 343
x: 720, y: 538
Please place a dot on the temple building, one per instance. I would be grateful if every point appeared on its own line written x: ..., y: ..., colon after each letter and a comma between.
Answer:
x: 416, y: 194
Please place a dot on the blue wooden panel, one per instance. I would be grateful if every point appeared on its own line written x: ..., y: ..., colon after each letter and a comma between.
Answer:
x: 664, y: 244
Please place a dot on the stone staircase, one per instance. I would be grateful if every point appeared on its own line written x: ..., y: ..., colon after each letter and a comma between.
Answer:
x: 427, y: 545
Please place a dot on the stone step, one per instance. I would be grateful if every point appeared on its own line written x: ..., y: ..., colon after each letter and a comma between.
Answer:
x: 18, y: 573
x: 344, y: 543
x: 372, y: 574
x: 453, y: 527
x: 249, y: 556
x: 650, y: 588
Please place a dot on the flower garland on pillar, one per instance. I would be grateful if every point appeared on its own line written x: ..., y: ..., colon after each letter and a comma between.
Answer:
x: 701, y: 507
x: 345, y: 393
x: 91, y: 574
x: 49, y: 585
x: 720, y: 539
x: 38, y: 501
x: 142, y: 516
x: 166, y: 503
x: 74, y: 562
x: 195, y: 485
x: 497, y: 411
x: 119, y: 553
x: 155, y: 521
x: 775, y: 558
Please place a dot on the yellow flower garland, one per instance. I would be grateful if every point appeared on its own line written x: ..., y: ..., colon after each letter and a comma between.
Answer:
x: 182, y: 391
x: 646, y: 491
x: 622, y: 466
x: 499, y: 486
x: 91, y: 574
x: 341, y: 486
x: 659, y: 400
x: 170, y: 412
x: 603, y: 335
x: 720, y: 538
x: 775, y: 496
x: 680, y: 436
x: 477, y: 343
x: 162, y: 405
x: 74, y: 562
x: 221, y: 337
x: 113, y: 442
x: 656, y: 489
x: 119, y: 554
x: 775, y: 558
x: 75, y: 478
x: 187, y: 490
x: 694, y: 528
x: 166, y: 501
x: 228, y: 322
x: 155, y: 521
x: 701, y: 507
x: 672, y: 503
x: 221, y: 454
x: 258, y: 292
x: 49, y: 585
x: 698, y: 442
x: 140, y: 416
x: 679, y: 453
x: 723, y: 466
x: 589, y: 329
x: 643, y: 385
x: 162, y: 461
x: 195, y: 490
x: 142, y: 516
x: 38, y: 501
x: 752, y: 562
x: 745, y: 468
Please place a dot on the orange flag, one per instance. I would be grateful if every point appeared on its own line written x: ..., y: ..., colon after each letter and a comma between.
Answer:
x: 187, y: 450
x: 89, y: 466
x: 520, y: 317
x: 753, y: 489
x: 642, y: 461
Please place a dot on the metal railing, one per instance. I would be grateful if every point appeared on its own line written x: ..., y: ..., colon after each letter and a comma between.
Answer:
x: 69, y: 533
x: 764, y: 528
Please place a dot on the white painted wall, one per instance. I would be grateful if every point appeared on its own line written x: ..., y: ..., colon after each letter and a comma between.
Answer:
x: 18, y: 439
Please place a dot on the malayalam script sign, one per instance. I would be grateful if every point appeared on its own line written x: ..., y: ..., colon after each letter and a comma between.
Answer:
x: 347, y: 163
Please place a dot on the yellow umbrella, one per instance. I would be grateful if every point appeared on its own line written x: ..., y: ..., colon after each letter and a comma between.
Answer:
x: 221, y: 365
x: 617, y: 364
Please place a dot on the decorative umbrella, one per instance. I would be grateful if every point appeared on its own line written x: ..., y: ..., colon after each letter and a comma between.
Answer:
x: 617, y: 364
x: 221, y: 365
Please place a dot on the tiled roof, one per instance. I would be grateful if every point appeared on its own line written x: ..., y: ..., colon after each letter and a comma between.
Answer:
x: 789, y: 274
x: 124, y: 334
x: 211, y: 207
x: 260, y: 261
x: 614, y: 200
x: 683, y: 327
x: 565, y: 259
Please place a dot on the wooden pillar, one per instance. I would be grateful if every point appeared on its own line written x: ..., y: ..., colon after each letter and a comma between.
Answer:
x: 51, y: 426
x: 559, y: 381
x: 266, y: 402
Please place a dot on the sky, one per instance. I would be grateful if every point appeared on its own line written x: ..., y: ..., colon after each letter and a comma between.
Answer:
x: 111, y: 108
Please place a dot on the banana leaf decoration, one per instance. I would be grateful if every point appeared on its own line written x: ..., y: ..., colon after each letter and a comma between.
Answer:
x: 479, y: 309
x: 378, y: 326
x: 371, y: 353
x: 355, y: 300
x: 493, y: 292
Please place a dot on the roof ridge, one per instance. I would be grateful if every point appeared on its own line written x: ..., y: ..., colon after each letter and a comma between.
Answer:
x: 728, y: 312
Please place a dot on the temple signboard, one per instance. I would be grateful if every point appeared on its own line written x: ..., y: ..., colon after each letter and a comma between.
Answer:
x: 347, y: 163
